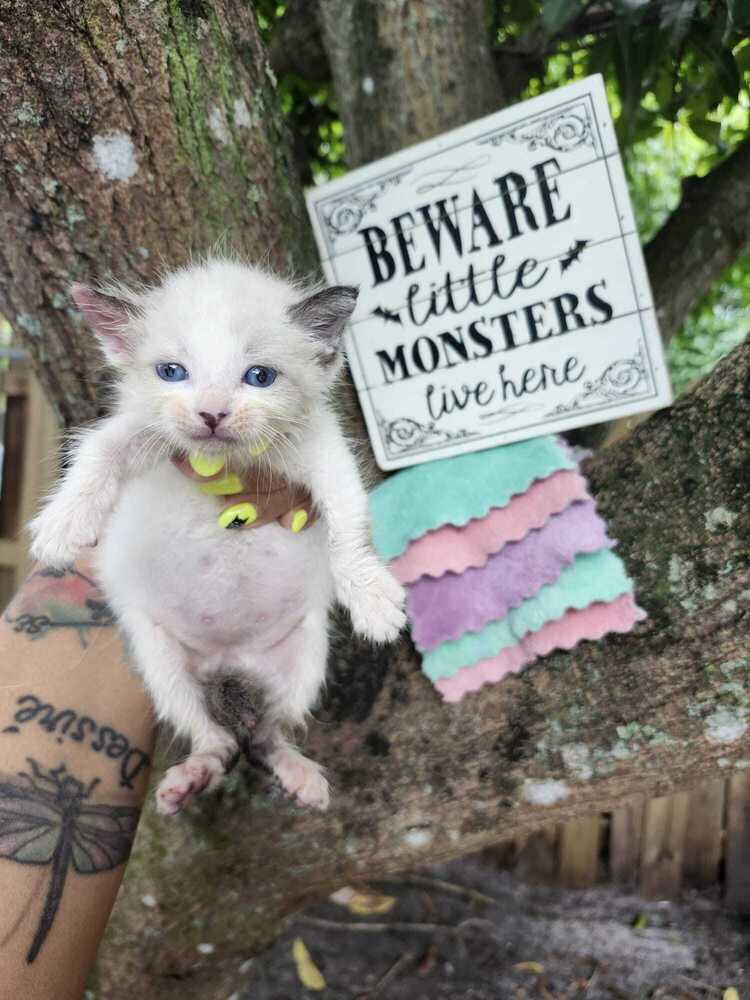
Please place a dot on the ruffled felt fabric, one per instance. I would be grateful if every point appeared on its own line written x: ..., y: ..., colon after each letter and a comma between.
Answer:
x: 458, y: 489
x: 452, y: 549
x: 592, y: 622
x: 598, y: 576
x: 445, y: 608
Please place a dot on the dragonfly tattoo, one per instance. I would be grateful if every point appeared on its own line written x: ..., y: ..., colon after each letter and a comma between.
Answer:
x: 46, y: 822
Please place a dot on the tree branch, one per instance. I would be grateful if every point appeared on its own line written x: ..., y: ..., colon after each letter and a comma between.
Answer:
x: 706, y: 233
x: 418, y: 780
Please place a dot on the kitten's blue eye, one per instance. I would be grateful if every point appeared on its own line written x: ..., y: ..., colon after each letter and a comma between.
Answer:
x: 260, y: 376
x: 170, y: 371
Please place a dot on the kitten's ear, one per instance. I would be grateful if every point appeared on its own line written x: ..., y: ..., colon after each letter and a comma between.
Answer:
x: 324, y: 315
x: 108, y: 317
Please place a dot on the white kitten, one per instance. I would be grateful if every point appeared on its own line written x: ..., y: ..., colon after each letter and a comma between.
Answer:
x: 224, y: 359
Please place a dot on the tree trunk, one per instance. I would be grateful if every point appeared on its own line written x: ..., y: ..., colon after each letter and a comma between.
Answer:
x: 131, y: 134
x: 403, y: 71
x: 414, y: 780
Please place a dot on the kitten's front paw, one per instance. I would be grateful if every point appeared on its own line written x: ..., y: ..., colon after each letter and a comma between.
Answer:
x: 376, y: 602
x: 57, y: 537
x: 301, y: 778
x: 184, y: 781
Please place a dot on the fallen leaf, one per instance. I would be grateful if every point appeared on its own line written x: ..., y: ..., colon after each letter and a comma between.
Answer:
x: 731, y: 994
x: 366, y: 903
x: 308, y: 972
x: 536, y: 967
x: 362, y: 902
x: 640, y: 923
x: 343, y: 896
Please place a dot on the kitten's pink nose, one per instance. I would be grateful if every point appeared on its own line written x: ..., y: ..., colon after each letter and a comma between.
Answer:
x: 211, y: 420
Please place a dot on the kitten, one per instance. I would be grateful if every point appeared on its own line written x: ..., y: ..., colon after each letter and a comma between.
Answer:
x: 224, y: 360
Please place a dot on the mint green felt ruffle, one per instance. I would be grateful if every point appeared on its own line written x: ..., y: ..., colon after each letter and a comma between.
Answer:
x: 456, y: 490
x: 597, y: 576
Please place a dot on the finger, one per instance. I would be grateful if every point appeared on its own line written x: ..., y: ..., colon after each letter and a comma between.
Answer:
x: 242, y: 511
x: 253, y: 509
x: 299, y: 518
x: 200, y: 471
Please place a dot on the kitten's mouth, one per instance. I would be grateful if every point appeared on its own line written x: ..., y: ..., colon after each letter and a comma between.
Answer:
x: 219, y: 438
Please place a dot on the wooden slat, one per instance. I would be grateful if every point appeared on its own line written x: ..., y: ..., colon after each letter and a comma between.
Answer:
x: 579, y: 852
x: 16, y: 416
x: 39, y: 465
x: 704, y: 835
x: 625, y: 841
x: 7, y: 585
x: 538, y: 857
x: 14, y: 383
x: 10, y: 553
x: 737, y: 850
x: 664, y: 824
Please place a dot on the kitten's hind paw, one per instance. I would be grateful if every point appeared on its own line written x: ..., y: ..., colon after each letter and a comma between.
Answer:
x: 301, y: 778
x: 184, y: 781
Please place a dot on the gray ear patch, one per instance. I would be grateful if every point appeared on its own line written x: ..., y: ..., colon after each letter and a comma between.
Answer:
x: 324, y: 314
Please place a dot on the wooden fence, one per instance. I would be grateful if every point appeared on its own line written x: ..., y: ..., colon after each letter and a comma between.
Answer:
x: 695, y: 839
x: 29, y: 467
x: 698, y: 838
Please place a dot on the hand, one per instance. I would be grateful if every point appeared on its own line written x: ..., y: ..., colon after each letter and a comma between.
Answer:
x: 257, y: 499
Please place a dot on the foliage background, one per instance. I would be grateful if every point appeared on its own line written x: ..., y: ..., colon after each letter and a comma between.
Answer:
x: 678, y: 79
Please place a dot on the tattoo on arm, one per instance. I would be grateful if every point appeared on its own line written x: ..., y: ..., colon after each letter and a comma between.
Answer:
x: 45, y: 820
x: 67, y: 724
x: 59, y: 599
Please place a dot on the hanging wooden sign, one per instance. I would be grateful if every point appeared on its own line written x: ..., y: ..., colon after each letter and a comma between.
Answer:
x: 503, y: 291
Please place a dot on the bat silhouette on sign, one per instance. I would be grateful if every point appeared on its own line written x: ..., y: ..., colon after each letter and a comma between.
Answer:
x: 573, y: 255
x: 47, y: 823
x: 387, y: 314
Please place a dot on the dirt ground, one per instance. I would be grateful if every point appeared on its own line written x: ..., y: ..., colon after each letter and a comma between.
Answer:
x: 513, y: 941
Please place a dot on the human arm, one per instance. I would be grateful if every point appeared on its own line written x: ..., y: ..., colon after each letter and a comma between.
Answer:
x: 67, y: 701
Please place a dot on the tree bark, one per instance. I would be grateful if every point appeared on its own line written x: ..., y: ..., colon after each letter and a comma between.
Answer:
x: 131, y: 134
x: 403, y: 71
x: 707, y: 232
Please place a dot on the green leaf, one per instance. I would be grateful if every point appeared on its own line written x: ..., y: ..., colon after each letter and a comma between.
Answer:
x: 627, y: 58
x: 600, y: 56
x: 523, y: 11
x: 676, y: 19
x: 557, y: 13
x: 724, y: 65
x: 706, y: 129
x: 664, y: 87
x: 742, y: 58
x: 739, y: 15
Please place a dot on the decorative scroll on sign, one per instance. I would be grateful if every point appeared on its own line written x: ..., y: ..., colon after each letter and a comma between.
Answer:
x: 503, y: 292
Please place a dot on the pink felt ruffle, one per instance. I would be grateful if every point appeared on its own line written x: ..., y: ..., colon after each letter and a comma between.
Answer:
x: 593, y: 622
x: 452, y: 549
x: 445, y: 608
